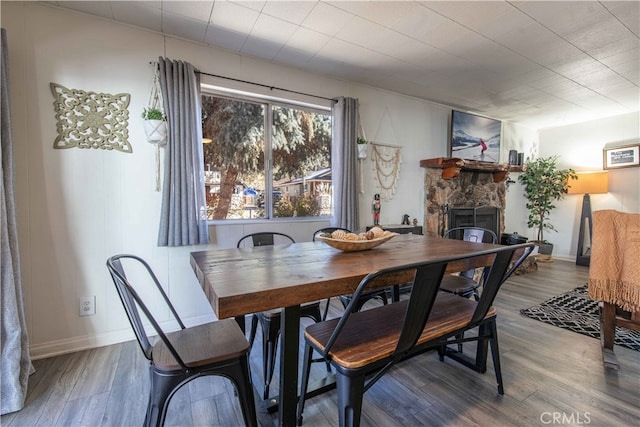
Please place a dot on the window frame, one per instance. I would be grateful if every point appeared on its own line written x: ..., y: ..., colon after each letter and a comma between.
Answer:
x: 268, y: 102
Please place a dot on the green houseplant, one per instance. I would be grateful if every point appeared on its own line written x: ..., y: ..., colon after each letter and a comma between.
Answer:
x: 152, y: 114
x: 544, y: 183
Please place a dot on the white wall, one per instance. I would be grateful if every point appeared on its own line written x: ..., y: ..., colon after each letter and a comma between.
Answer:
x: 580, y: 147
x: 77, y: 207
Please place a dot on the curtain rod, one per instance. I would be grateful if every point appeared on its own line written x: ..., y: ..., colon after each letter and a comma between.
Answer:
x: 267, y: 86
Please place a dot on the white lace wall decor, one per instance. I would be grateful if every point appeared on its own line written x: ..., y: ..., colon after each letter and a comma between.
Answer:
x: 91, y: 120
x: 386, y: 168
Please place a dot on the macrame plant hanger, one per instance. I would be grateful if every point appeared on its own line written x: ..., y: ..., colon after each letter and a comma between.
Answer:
x: 362, y: 154
x: 386, y: 161
x: 156, y: 130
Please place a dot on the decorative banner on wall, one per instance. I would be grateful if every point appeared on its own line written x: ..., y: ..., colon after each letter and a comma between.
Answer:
x: 386, y: 168
x: 90, y: 119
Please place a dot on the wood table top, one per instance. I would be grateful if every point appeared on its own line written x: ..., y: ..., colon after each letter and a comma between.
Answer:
x: 249, y: 280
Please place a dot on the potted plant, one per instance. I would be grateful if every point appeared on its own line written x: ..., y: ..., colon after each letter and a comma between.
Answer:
x: 544, y: 183
x: 362, y: 147
x: 155, y: 125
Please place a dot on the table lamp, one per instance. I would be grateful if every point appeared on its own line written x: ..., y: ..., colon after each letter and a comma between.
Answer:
x: 587, y: 183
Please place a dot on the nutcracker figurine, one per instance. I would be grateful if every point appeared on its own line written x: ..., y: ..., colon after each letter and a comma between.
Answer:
x: 375, y: 208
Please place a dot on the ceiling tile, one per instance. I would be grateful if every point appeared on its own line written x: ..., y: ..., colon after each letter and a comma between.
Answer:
x: 195, y: 10
x: 628, y: 12
x: 273, y: 29
x: 251, y: 4
x: 184, y: 27
x: 261, y: 47
x: 306, y: 39
x: 601, y: 36
x: 361, y: 32
x: 98, y: 8
x: 423, y: 25
x: 623, y: 45
x: 568, y: 19
x: 225, y: 38
x: 139, y: 13
x: 385, y: 13
x: 326, y: 19
x: 234, y: 17
x: 475, y: 15
x: 400, y: 46
x: 292, y: 56
x: 291, y: 11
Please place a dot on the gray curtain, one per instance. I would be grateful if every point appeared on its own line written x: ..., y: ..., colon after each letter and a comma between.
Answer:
x: 344, y: 158
x: 183, y: 219
x: 16, y: 363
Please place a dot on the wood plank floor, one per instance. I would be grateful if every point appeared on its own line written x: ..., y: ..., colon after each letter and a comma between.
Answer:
x: 548, y: 372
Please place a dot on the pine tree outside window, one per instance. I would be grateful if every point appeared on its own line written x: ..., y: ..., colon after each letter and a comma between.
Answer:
x: 265, y: 160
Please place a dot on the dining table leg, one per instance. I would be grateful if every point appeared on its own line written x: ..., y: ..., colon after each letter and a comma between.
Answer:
x: 240, y: 320
x: 289, y: 348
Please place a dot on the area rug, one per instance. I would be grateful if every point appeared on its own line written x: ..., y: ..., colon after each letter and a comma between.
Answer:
x: 576, y: 312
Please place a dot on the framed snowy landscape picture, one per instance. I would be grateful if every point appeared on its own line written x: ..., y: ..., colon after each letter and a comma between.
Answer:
x: 474, y: 137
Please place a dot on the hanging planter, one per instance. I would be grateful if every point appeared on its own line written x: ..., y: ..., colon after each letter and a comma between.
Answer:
x: 362, y: 148
x: 155, y: 122
x: 155, y: 126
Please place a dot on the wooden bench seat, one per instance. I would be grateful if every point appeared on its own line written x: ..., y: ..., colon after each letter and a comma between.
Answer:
x: 372, y: 335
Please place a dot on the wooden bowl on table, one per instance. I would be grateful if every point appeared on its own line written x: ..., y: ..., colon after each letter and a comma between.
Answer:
x: 355, y: 245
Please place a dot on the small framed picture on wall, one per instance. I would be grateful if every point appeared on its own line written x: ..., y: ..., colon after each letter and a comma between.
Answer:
x: 621, y: 157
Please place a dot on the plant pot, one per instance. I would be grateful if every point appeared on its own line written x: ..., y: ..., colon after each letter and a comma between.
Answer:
x: 545, y: 248
x: 362, y: 151
x: 156, y: 131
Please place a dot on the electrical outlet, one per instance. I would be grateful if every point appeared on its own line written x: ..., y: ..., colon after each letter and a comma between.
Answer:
x: 87, y: 306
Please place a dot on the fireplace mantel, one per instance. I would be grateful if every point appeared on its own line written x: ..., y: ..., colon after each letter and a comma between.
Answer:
x: 451, y: 167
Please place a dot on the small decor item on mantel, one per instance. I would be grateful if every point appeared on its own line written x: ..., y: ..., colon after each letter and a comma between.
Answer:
x: 405, y: 219
x: 91, y: 120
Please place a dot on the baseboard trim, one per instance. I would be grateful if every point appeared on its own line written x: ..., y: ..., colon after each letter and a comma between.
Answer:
x: 87, y: 342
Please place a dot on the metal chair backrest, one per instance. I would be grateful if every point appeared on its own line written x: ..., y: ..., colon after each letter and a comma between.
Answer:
x: 427, y: 278
x: 503, y: 266
x: 329, y: 230
x: 471, y: 234
x: 131, y: 301
x: 266, y: 238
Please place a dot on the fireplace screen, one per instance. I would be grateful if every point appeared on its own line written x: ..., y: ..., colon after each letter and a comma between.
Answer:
x: 484, y: 216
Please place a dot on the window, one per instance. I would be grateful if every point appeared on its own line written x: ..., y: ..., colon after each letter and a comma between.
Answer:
x: 265, y: 159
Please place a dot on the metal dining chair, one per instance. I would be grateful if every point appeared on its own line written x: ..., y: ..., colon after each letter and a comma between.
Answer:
x: 216, y: 348
x: 465, y: 284
x: 270, y: 321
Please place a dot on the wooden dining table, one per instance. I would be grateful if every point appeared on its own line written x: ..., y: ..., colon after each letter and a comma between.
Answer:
x: 249, y: 280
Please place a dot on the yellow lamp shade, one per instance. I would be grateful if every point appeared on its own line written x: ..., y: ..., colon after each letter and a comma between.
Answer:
x: 589, y: 183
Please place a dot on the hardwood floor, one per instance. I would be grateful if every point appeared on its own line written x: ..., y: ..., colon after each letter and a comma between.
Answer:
x: 552, y: 376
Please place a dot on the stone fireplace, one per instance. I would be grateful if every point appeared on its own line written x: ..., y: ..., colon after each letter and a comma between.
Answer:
x: 466, y: 187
